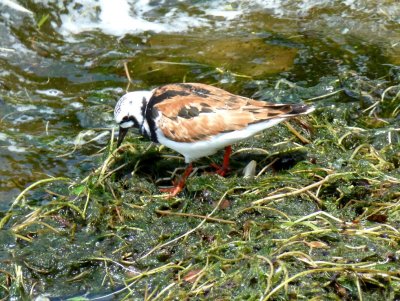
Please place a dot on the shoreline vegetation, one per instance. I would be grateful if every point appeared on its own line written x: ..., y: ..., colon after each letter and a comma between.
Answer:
x: 316, y: 218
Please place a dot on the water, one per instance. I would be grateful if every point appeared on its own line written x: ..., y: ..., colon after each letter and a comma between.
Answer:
x: 62, y: 64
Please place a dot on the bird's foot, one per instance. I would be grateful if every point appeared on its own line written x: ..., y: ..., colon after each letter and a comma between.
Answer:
x: 174, y: 190
x: 223, y: 169
x: 220, y: 170
x: 178, y: 185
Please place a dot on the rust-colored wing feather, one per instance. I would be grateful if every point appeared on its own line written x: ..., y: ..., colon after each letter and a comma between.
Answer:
x: 192, y: 112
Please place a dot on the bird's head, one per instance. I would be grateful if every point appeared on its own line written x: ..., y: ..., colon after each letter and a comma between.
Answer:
x: 130, y: 112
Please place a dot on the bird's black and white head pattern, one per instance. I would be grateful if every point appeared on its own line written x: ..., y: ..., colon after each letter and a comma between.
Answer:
x: 130, y: 109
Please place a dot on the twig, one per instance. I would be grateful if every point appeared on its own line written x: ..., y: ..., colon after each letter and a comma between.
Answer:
x: 299, y: 191
x: 324, y: 95
x: 214, y: 219
x: 303, y: 140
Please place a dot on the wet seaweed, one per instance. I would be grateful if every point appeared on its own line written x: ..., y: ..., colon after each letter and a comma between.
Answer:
x: 317, y: 218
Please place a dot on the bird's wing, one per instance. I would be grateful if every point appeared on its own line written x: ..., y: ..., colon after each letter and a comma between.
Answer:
x: 192, y: 112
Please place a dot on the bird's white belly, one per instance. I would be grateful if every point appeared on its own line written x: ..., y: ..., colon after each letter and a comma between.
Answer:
x: 195, y: 150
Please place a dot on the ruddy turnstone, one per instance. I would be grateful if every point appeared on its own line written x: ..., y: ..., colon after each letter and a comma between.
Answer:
x: 197, y: 120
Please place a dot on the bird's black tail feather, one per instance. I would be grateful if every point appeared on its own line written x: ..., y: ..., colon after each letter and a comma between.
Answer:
x: 300, y: 109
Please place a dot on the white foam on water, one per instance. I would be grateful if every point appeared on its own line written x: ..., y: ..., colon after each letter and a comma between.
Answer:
x: 76, y: 105
x: 111, y: 18
x: 117, y: 90
x: 116, y: 17
x: 48, y: 111
x: 16, y: 6
x: 3, y: 137
x: 50, y: 92
x: 20, y: 48
x: 121, y: 17
x: 227, y: 14
x: 16, y: 149
x: 23, y: 119
x: 24, y: 108
x: 4, y: 73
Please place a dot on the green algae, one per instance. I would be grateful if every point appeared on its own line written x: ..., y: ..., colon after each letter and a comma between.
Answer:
x: 320, y: 222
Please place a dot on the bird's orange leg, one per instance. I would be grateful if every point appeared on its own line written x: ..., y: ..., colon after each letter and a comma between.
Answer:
x: 179, y: 185
x: 222, y: 170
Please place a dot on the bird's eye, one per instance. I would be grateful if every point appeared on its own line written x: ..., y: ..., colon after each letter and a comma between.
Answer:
x: 126, y: 118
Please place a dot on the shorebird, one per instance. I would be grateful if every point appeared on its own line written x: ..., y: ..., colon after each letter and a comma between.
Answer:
x: 197, y: 120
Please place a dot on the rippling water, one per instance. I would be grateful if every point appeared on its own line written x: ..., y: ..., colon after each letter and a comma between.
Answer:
x: 62, y: 63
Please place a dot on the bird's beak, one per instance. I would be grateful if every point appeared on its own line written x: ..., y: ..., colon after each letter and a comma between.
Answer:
x: 121, y: 135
